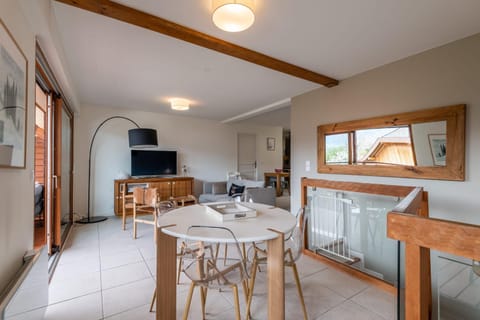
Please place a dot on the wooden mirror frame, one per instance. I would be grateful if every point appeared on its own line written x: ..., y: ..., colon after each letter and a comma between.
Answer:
x: 455, y: 158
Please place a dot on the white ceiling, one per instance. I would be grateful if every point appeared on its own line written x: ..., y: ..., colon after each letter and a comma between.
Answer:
x: 119, y: 65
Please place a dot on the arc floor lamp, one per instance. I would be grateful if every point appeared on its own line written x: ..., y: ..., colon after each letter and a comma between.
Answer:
x: 137, y: 138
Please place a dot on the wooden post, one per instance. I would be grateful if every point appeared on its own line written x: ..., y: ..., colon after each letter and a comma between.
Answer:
x: 166, y: 285
x: 416, y: 301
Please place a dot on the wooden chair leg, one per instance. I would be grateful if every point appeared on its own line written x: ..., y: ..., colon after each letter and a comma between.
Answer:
x: 245, y: 289
x: 203, y: 300
x: 250, y: 289
x: 155, y: 218
x: 153, y: 299
x: 124, y: 218
x: 299, y: 288
x: 179, y: 271
x: 135, y: 223
x: 237, y: 303
x: 188, y: 302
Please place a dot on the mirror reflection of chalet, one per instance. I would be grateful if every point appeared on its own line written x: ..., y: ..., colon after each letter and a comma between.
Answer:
x: 423, y: 144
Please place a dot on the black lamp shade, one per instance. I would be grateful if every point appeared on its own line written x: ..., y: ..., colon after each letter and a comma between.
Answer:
x: 142, y: 138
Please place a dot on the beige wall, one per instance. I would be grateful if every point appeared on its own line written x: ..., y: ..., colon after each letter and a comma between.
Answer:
x: 208, y: 149
x: 16, y: 187
x: 440, y: 77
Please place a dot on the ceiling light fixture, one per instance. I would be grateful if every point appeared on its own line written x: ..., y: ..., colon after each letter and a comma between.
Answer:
x: 180, y: 104
x: 233, y: 15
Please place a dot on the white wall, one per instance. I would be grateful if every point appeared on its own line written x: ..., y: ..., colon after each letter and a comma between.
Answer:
x: 16, y: 187
x: 208, y: 149
x: 267, y: 161
x: 443, y: 76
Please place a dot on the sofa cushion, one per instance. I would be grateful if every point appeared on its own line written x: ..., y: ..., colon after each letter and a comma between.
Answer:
x: 235, y: 190
x: 219, y: 188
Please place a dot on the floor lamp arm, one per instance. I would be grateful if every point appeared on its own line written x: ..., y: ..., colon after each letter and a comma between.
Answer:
x: 89, y: 219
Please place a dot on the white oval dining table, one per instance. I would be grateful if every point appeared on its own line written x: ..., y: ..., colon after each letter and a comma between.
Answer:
x: 270, y: 225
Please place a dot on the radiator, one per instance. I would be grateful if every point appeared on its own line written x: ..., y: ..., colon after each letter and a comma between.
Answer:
x: 28, y: 290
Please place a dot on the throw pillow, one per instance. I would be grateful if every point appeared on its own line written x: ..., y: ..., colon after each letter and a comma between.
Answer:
x: 235, y: 190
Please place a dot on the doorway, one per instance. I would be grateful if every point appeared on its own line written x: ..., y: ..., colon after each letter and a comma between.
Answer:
x: 53, y: 215
x: 247, y: 156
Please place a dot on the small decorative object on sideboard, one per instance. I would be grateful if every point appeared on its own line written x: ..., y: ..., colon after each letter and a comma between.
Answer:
x: 228, y: 211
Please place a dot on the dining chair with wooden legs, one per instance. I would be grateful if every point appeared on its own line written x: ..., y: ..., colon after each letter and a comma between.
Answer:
x: 201, y: 265
x: 146, y: 201
x: 127, y: 203
x: 293, y: 250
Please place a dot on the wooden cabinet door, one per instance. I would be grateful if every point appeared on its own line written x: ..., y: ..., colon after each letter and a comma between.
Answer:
x: 164, y: 189
x: 181, y: 188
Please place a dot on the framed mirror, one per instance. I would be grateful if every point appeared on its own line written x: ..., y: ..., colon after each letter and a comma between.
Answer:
x: 425, y: 144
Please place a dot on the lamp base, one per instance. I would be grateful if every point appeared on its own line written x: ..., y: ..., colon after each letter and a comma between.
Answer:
x: 91, y: 220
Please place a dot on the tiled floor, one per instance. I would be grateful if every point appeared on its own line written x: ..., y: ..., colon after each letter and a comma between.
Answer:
x: 105, y: 274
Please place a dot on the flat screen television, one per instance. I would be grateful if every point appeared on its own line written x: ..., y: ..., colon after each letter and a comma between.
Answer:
x: 154, y: 163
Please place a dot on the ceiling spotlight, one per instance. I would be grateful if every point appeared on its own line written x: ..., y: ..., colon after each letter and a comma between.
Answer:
x: 180, y: 104
x: 233, y: 15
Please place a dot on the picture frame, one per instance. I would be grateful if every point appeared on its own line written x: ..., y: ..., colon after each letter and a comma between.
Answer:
x: 13, y: 101
x: 438, y: 148
x: 270, y: 144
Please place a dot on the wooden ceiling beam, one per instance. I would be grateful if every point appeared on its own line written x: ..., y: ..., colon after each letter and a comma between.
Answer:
x: 145, y: 20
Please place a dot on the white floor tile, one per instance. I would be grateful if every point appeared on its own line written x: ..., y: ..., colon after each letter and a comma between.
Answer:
x: 139, y: 313
x: 82, y: 308
x: 116, y: 245
x: 111, y: 260
x: 62, y: 289
x: 31, y: 315
x: 68, y: 270
x: 378, y: 301
x: 80, y: 255
x: 126, y: 297
x: 125, y: 274
x: 340, y: 282
x: 350, y: 310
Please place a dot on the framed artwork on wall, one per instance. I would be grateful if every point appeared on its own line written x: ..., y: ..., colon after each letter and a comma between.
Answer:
x: 13, y: 101
x: 270, y: 144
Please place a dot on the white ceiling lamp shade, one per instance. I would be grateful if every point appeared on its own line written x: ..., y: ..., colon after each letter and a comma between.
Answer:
x: 233, y: 15
x: 180, y: 104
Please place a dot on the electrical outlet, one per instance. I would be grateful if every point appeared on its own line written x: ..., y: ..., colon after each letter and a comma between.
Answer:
x: 307, y: 165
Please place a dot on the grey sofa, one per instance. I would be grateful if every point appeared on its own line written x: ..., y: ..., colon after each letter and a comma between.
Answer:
x: 253, y: 191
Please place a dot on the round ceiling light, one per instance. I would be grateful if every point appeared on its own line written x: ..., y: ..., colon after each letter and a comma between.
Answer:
x: 180, y: 104
x: 233, y: 16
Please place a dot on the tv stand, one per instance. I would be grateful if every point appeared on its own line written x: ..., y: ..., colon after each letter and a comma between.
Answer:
x: 167, y: 187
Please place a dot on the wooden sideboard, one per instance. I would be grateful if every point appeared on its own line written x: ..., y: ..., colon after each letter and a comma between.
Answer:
x: 167, y: 187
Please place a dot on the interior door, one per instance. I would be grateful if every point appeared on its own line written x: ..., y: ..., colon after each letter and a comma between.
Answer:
x: 247, y: 156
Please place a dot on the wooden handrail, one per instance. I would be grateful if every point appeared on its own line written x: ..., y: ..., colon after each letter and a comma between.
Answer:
x: 456, y: 238
x: 402, y: 225
x: 421, y: 234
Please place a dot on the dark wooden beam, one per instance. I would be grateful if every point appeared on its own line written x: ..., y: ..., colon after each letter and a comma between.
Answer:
x: 142, y: 19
